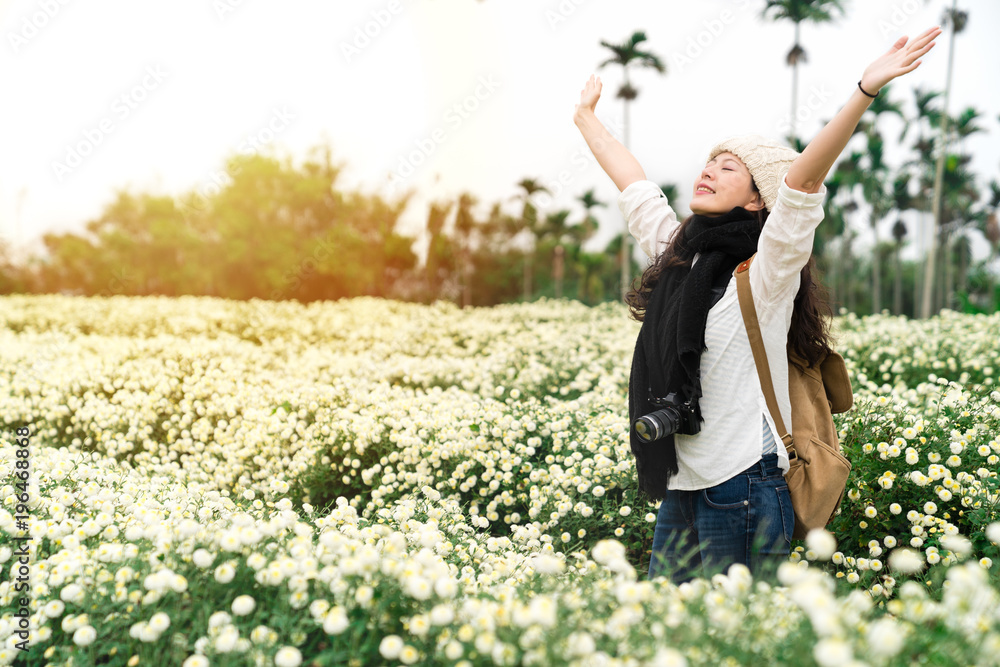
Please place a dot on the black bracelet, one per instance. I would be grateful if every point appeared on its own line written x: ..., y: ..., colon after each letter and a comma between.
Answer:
x: 865, y: 91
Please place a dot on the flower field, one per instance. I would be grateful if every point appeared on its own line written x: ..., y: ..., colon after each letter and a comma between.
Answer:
x: 369, y: 482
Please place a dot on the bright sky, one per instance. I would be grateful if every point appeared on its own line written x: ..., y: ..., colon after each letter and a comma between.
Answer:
x: 453, y: 95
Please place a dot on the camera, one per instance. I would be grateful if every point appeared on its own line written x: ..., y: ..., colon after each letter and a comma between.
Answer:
x: 674, y: 416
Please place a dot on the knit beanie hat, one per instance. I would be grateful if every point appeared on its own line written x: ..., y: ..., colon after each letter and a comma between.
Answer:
x: 767, y: 160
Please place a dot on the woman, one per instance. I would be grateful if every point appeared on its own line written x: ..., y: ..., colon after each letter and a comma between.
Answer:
x: 702, y: 437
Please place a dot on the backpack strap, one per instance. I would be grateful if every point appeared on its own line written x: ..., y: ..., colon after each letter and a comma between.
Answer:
x: 759, y: 353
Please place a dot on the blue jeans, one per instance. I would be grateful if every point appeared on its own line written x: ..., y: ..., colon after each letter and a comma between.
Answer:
x: 746, y: 519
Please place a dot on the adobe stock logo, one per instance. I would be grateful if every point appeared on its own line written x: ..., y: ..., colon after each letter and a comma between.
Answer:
x: 225, y: 7
x: 901, y: 14
x: 121, y: 108
x: 457, y: 114
x: 363, y: 35
x: 703, y: 40
x: 817, y: 98
x: 562, y: 12
x: 33, y: 24
x: 255, y: 142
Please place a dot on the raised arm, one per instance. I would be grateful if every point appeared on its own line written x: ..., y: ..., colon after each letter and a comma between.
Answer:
x: 810, y: 169
x: 613, y: 157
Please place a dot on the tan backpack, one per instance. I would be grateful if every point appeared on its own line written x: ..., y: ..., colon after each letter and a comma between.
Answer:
x: 818, y: 472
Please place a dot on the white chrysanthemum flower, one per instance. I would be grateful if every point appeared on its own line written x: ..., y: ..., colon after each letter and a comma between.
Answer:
x: 202, y: 558
x: 958, y: 544
x: 906, y: 561
x: 607, y: 550
x: 390, y: 646
x: 833, y: 652
x: 822, y: 543
x: 54, y: 608
x: 288, y: 656
x: 84, y: 636
x: 243, y: 605
x: 72, y: 593
x: 453, y: 650
x: 581, y: 644
x: 225, y: 573
x: 227, y: 639
x: 442, y: 614
x: 545, y: 564
x: 335, y: 621
x: 668, y: 657
x: 159, y: 622
x: 219, y: 619
x: 363, y: 595
x: 261, y: 634
x: 409, y: 655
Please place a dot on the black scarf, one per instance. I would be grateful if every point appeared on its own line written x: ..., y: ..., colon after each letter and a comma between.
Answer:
x: 667, y: 355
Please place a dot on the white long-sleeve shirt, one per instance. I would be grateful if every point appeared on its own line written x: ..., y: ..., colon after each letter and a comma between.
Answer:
x: 731, y: 437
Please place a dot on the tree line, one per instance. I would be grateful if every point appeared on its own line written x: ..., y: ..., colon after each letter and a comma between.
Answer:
x: 274, y: 230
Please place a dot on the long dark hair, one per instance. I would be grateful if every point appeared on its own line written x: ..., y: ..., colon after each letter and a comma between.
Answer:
x: 809, y: 335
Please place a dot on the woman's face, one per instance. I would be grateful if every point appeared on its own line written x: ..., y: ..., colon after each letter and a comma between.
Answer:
x: 724, y: 184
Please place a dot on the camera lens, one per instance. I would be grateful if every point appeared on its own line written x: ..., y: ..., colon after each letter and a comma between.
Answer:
x: 657, y: 424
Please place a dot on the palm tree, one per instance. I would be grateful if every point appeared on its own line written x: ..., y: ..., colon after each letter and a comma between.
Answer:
x: 554, y: 233
x: 849, y: 173
x: 950, y: 183
x: 465, y: 228
x: 898, y: 234
x: 589, y: 224
x: 833, y: 227
x: 991, y: 229
x: 626, y: 54
x: 528, y: 223
x: 957, y: 20
x: 874, y: 180
x: 440, y: 250
x: 959, y: 196
x: 928, y: 118
x: 587, y: 264
x: 964, y: 125
x: 797, y: 11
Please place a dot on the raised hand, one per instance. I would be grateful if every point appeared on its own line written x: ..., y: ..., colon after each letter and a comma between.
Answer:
x: 901, y: 59
x: 590, y: 94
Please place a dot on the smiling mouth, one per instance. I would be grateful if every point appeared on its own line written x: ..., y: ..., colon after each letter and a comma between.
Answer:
x: 704, y: 191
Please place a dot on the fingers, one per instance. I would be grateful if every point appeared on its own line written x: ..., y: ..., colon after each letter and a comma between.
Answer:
x: 919, y: 53
x: 925, y: 37
x: 918, y: 43
x: 908, y: 57
x: 924, y: 50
